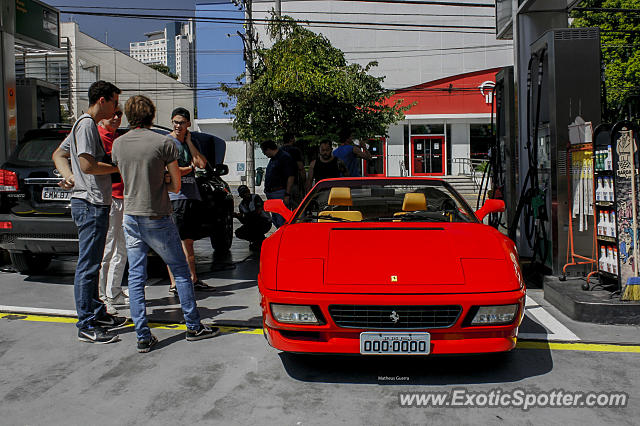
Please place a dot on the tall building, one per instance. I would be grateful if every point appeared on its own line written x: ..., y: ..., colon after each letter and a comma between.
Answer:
x: 173, y: 46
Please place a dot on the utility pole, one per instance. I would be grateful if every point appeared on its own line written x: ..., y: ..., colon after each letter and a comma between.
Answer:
x: 278, y: 8
x: 248, y: 57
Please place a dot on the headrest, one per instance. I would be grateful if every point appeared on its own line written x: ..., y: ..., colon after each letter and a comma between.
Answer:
x: 340, y: 196
x: 414, y: 201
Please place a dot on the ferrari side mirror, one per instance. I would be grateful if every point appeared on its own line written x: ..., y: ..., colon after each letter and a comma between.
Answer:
x: 277, y: 206
x: 490, y: 206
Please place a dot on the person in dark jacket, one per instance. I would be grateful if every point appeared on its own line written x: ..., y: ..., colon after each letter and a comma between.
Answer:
x: 279, y: 176
x: 255, y: 221
x: 298, y: 188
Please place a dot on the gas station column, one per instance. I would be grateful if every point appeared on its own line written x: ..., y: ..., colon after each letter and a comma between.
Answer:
x: 8, y: 120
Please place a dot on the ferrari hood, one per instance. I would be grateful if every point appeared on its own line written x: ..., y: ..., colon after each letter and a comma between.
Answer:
x: 419, y: 256
x: 379, y: 259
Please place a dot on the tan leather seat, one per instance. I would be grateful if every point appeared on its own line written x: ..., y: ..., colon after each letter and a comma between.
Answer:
x: 341, y: 196
x: 413, y: 201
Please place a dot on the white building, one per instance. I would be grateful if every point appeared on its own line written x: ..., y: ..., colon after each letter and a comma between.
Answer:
x: 152, y: 51
x: 173, y: 46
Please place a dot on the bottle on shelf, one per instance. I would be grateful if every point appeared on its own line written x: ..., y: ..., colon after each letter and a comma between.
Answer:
x: 612, y: 219
x: 610, y: 259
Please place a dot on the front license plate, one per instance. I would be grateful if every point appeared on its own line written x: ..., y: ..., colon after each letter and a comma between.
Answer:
x: 385, y: 343
x: 55, y: 194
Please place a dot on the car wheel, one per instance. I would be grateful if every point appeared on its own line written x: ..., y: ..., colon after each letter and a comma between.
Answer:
x: 29, y: 263
x: 223, y: 233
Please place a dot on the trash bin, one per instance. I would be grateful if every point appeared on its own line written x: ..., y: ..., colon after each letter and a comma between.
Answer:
x: 259, y: 175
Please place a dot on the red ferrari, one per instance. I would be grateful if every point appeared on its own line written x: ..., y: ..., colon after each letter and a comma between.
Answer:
x: 389, y: 266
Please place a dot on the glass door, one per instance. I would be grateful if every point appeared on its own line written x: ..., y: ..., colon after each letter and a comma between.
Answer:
x: 376, y: 167
x: 428, y: 155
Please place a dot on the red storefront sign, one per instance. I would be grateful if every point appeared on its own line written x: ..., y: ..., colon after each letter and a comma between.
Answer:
x: 469, y: 93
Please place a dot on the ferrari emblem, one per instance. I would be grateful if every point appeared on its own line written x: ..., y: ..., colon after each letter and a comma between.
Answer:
x: 394, y: 317
x: 394, y: 278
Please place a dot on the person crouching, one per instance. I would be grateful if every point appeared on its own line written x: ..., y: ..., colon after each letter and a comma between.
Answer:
x: 255, y: 221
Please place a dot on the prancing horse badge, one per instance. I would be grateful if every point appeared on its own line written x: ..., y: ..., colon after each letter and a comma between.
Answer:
x: 394, y: 278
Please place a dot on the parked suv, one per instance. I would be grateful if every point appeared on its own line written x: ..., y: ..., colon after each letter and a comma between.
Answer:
x: 35, y: 213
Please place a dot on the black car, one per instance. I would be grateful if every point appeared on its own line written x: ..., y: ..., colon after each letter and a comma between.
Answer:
x: 35, y: 213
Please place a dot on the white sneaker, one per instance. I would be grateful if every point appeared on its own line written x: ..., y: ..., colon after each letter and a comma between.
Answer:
x: 111, y: 310
x: 120, y: 299
x: 125, y: 291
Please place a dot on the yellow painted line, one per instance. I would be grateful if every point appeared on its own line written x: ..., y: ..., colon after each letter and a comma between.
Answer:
x: 586, y: 347
x: 70, y: 320
x: 522, y: 344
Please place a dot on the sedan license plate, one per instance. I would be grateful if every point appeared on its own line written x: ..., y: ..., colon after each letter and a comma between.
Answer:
x: 391, y: 343
x: 55, y: 194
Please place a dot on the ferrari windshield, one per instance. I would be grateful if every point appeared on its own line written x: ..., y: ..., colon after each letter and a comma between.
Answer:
x: 378, y: 200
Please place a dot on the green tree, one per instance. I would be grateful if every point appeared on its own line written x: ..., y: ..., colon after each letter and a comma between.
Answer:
x: 620, y: 40
x: 304, y: 85
x: 164, y: 70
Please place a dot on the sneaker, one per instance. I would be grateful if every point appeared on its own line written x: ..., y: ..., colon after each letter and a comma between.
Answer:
x: 96, y: 335
x: 204, y: 332
x: 120, y: 299
x: 111, y: 322
x: 144, y: 346
x: 111, y: 310
x: 125, y: 291
x: 202, y: 286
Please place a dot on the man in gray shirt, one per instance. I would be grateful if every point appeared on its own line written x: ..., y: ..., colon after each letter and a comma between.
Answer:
x: 89, y: 177
x: 148, y: 163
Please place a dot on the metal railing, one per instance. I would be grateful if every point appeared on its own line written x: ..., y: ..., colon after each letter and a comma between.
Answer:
x: 472, y: 168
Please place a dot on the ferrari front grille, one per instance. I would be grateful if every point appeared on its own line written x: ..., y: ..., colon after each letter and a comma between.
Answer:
x: 394, y: 316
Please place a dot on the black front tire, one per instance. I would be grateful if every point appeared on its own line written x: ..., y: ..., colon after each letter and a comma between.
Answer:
x: 223, y: 233
x: 29, y: 263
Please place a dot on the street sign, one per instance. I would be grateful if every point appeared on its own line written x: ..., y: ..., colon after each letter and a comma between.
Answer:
x: 38, y: 22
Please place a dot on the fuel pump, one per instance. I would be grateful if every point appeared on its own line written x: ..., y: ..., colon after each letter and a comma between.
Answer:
x: 563, y: 83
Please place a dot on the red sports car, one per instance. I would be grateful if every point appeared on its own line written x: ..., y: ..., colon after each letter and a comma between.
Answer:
x: 389, y: 266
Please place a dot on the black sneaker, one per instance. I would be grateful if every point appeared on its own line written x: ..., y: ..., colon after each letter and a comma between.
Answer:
x: 145, y: 345
x: 204, y: 332
x: 96, y: 335
x: 111, y: 322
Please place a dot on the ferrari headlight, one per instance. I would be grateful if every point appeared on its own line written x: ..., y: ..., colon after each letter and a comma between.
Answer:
x: 294, y: 314
x: 495, y: 315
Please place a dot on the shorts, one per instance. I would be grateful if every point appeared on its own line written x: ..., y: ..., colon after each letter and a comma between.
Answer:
x: 186, y: 217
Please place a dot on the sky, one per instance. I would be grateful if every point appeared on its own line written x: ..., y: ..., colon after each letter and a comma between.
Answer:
x: 219, y: 57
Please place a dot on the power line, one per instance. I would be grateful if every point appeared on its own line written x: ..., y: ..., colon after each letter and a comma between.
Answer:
x: 337, y: 24
x: 421, y: 2
x: 295, y: 12
x: 605, y: 9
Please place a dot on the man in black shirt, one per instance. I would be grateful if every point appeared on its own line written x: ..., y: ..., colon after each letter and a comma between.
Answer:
x: 279, y: 176
x: 325, y: 166
x: 298, y: 189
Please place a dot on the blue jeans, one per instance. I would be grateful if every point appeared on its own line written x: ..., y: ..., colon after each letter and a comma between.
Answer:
x: 277, y: 220
x: 161, y: 235
x: 93, y: 223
